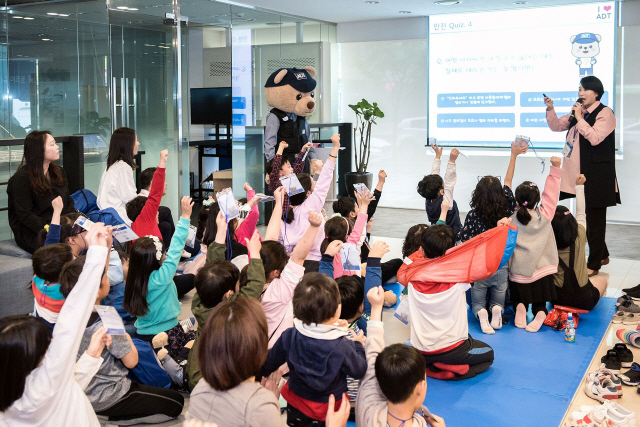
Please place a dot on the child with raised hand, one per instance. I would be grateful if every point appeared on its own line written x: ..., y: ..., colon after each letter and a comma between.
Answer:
x: 535, y: 258
x: 216, y: 282
x: 247, y: 227
x: 45, y: 383
x: 283, y: 276
x: 317, y: 351
x: 311, y: 199
x: 280, y: 166
x: 574, y: 287
x: 435, y: 190
x: 340, y: 228
x: 393, y: 390
x: 150, y: 293
x: 490, y: 202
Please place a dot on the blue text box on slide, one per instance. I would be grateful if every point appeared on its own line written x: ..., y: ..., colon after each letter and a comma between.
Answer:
x: 477, y: 120
x: 560, y: 99
x: 484, y: 99
x: 536, y: 120
x: 239, y: 120
x: 238, y: 103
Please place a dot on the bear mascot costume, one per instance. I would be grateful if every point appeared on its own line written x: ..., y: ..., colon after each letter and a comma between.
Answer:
x: 290, y: 91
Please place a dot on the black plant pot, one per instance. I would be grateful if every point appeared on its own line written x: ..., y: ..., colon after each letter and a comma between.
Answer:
x: 351, y: 178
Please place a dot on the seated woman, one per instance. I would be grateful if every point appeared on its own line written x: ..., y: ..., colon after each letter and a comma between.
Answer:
x: 574, y: 288
x: 36, y: 183
x: 116, y: 185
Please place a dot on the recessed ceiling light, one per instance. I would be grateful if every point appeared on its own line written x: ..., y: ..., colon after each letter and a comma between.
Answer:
x: 372, y: 2
x: 447, y: 2
x: 133, y: 8
x: 519, y: 2
x: 17, y: 17
x: 122, y: 7
x: 45, y: 40
x: 404, y: 11
x: 52, y: 13
x: 63, y: 14
x: 28, y: 18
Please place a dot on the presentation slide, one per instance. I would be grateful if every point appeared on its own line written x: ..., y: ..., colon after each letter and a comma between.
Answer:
x: 488, y: 71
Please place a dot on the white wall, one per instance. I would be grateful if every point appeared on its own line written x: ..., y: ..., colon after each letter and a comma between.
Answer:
x: 385, y: 29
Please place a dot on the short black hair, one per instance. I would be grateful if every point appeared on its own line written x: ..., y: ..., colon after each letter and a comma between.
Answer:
x: 70, y: 274
x: 430, y: 186
x: 24, y: 340
x: 316, y: 298
x: 565, y: 227
x: 269, y: 167
x: 399, y: 369
x: 134, y: 207
x: 214, y: 280
x: 146, y: 177
x: 274, y: 256
x: 351, y: 294
x: 48, y: 261
x: 437, y: 240
x: 593, y: 83
x: 413, y: 239
x: 344, y: 206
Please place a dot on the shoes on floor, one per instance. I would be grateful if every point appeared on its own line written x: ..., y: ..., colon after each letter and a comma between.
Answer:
x: 624, y: 354
x: 632, y: 376
x: 629, y: 336
x: 633, y: 293
x: 601, y: 391
x: 619, y: 317
x: 628, y: 306
x: 604, y: 373
x: 615, y: 412
x: 188, y: 324
x: 612, y: 361
x: 635, y: 288
x: 594, y: 418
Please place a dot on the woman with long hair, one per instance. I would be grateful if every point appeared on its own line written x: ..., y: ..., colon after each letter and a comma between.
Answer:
x: 116, y: 185
x: 35, y: 185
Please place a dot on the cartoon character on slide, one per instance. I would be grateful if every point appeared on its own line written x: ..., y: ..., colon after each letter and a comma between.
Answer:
x: 585, y: 47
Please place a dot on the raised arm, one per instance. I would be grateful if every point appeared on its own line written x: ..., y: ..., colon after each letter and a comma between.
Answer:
x: 373, y: 278
x: 298, y: 165
x: 361, y: 221
x: 317, y: 198
x: 53, y: 234
x: 551, y: 190
x: 516, y: 150
x: 555, y: 124
x: 303, y: 247
x: 150, y: 209
x: 450, y: 177
x: 326, y: 262
x: 248, y: 226
x: 216, y: 251
x: 581, y: 216
x: 255, y: 273
x: 169, y: 266
x: 273, y: 228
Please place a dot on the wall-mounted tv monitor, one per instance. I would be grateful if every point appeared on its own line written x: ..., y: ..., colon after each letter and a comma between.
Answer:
x: 211, y: 106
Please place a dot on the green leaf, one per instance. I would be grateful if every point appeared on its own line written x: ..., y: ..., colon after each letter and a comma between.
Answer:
x: 365, y: 103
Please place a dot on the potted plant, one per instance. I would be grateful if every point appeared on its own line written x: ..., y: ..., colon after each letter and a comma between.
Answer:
x: 366, y: 115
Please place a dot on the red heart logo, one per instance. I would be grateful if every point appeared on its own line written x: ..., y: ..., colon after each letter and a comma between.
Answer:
x: 607, y: 8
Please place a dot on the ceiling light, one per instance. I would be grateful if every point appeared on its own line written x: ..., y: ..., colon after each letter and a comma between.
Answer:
x: 447, y: 2
x: 164, y: 47
x: 63, y: 14
x: 372, y: 2
x: 17, y: 17
x: 235, y: 3
x: 274, y: 23
x: 519, y: 2
x: 133, y: 8
x: 122, y: 7
x: 45, y: 40
x: 405, y: 12
x: 52, y: 13
x: 28, y: 18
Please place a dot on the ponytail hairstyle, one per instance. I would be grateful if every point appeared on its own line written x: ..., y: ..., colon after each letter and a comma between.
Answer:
x: 489, y: 201
x: 33, y: 160
x: 413, y: 239
x: 123, y: 140
x: 344, y: 206
x: 143, y: 261
x: 298, y: 199
x: 565, y: 227
x: 337, y: 228
x: 211, y: 228
x: 527, y: 197
x: 274, y: 257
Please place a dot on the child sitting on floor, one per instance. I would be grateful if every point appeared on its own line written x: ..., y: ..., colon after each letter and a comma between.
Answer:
x: 317, y: 351
x: 47, y: 263
x: 435, y: 190
x: 392, y: 391
x: 535, y: 258
x: 280, y: 166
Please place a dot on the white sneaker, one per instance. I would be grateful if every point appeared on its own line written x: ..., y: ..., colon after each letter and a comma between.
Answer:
x: 600, y: 390
x: 604, y: 373
x: 616, y: 409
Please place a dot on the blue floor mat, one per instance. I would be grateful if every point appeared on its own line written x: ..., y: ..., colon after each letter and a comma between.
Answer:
x: 532, y: 380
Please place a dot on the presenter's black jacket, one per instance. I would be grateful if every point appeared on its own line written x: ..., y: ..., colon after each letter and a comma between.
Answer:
x: 292, y: 132
x: 598, y: 165
x: 28, y: 211
x: 453, y: 216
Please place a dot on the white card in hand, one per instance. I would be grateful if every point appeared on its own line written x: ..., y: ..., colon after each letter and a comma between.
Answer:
x: 84, y: 222
x: 228, y: 204
x: 123, y: 233
x: 291, y: 184
x: 402, y: 312
x: 361, y: 188
x: 191, y: 237
x: 111, y: 320
x: 350, y: 257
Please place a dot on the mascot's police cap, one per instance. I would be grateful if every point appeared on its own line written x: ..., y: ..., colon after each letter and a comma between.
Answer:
x: 585, y: 38
x: 299, y: 79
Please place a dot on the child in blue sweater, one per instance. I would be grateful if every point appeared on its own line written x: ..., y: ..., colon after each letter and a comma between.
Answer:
x: 317, y: 350
x: 150, y: 293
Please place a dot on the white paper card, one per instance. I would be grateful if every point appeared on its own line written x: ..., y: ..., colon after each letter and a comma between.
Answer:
x: 350, y: 257
x: 84, y: 222
x: 264, y: 198
x: 111, y: 320
x: 191, y: 237
x: 402, y: 312
x: 228, y: 204
x: 123, y: 233
x: 291, y: 184
x: 361, y: 188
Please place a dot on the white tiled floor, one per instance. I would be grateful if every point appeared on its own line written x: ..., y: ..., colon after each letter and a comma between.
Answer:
x: 621, y: 273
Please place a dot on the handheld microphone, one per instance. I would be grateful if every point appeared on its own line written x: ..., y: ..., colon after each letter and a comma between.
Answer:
x: 573, y: 112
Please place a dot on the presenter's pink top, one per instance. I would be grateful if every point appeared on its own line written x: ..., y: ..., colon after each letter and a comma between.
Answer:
x: 604, y: 125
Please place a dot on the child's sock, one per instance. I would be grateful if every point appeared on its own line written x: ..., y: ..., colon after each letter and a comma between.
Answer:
x: 521, y: 316
x: 441, y: 375
x: 160, y: 340
x: 456, y: 369
x: 496, y: 317
x: 483, y: 317
x: 537, y: 322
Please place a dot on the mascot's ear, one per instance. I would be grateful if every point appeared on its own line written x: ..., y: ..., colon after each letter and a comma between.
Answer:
x: 311, y: 71
x: 280, y: 76
x: 572, y: 39
x: 598, y: 37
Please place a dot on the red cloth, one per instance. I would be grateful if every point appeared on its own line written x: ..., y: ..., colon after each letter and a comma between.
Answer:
x: 248, y: 225
x: 315, y: 410
x: 146, y: 224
